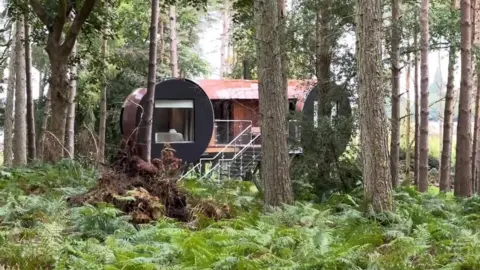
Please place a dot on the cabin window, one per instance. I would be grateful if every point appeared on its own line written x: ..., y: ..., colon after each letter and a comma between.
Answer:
x: 173, y: 121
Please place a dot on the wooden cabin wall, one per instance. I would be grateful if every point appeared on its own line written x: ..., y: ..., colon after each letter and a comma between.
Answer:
x: 245, y: 110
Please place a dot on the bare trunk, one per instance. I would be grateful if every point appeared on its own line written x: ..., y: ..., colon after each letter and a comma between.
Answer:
x: 70, y: 128
x: 273, y: 124
x: 323, y: 57
x: 417, y: 114
x: 445, y: 163
x: 161, y: 32
x: 173, y: 42
x: 224, y: 38
x: 463, y: 162
x: 408, y: 149
x: 395, y: 121
x: 9, y: 117
x: 20, y: 136
x: 282, y: 13
x: 147, y: 118
x: 43, y: 129
x: 476, y: 128
x: 423, y: 145
x: 32, y: 150
x: 373, y: 120
x: 103, y: 112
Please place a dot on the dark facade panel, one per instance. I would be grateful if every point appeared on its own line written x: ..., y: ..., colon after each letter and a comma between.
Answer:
x: 195, y: 124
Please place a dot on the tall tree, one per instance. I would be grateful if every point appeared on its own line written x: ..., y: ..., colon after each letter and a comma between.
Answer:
x: 408, y: 120
x: 70, y: 128
x: 20, y: 137
x: 476, y: 128
x: 224, y: 37
x: 395, y: 119
x: 31, y: 141
x: 173, y: 41
x: 9, y: 117
x: 373, y: 119
x: 463, y: 173
x: 445, y: 162
x: 58, y: 54
x: 273, y: 124
x: 103, y: 109
x: 147, y: 118
x: 423, y: 143
x: 417, y: 113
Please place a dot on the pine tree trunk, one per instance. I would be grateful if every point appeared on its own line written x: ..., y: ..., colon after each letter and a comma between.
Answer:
x: 103, y: 112
x: 323, y: 57
x: 408, y: 149
x: 70, y: 128
x: 423, y: 145
x: 476, y: 128
x: 282, y: 22
x: 373, y: 119
x: 224, y: 37
x: 417, y: 114
x: 463, y: 162
x: 20, y: 137
x: 9, y: 117
x: 445, y: 163
x: 395, y: 121
x: 147, y: 118
x: 273, y: 124
x: 32, y: 150
x: 173, y: 42
x: 161, y: 32
x: 43, y: 129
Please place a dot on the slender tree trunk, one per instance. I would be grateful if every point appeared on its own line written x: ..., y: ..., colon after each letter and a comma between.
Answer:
x: 417, y: 114
x: 43, y: 129
x: 70, y: 128
x: 445, y: 163
x: 273, y: 124
x: 282, y: 22
x: 323, y: 57
x: 395, y: 121
x: 173, y: 42
x: 424, y: 37
x: 147, y: 118
x: 20, y: 137
x: 224, y: 37
x: 373, y: 119
x: 32, y: 150
x: 463, y: 162
x: 408, y: 149
x: 9, y: 117
x: 476, y: 128
x: 103, y: 111
x: 161, y: 32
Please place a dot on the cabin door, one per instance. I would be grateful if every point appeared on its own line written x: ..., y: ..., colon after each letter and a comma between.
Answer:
x: 223, y: 114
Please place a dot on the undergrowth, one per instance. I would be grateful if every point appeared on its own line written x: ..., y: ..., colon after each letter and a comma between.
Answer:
x: 39, y: 230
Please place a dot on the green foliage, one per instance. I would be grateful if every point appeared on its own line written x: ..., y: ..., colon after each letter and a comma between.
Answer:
x: 426, y: 231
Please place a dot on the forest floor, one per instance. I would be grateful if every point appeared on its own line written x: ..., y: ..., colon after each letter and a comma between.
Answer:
x: 41, y: 228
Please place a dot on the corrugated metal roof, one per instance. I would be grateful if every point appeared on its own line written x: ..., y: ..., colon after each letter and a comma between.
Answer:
x: 248, y: 89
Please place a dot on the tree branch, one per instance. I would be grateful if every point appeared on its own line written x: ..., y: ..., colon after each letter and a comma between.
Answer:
x: 59, y: 20
x: 76, y: 27
x: 39, y: 11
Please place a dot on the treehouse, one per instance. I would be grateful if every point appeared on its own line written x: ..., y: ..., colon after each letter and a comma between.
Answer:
x: 215, y: 121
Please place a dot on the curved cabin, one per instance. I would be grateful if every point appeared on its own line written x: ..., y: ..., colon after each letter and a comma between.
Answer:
x: 210, y: 119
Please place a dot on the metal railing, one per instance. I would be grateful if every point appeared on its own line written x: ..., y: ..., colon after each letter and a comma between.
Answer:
x: 234, y: 144
x: 225, y: 130
x: 225, y: 163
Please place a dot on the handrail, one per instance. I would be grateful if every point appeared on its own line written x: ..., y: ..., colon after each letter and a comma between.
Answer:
x: 220, y: 152
x: 235, y: 156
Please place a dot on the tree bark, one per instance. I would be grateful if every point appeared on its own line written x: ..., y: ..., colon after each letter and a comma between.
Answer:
x: 147, y: 118
x: 173, y: 42
x: 224, y: 37
x: 395, y: 121
x: 32, y: 150
x: 445, y: 163
x: 9, y: 116
x: 103, y: 111
x: 373, y: 119
x: 408, y: 149
x: 423, y: 145
x: 323, y: 55
x: 20, y: 138
x: 273, y: 124
x: 43, y: 129
x: 476, y: 128
x: 463, y: 162
x: 161, y: 32
x: 417, y: 114
x: 70, y: 128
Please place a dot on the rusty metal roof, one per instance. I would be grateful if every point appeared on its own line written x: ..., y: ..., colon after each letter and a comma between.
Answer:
x: 248, y: 89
